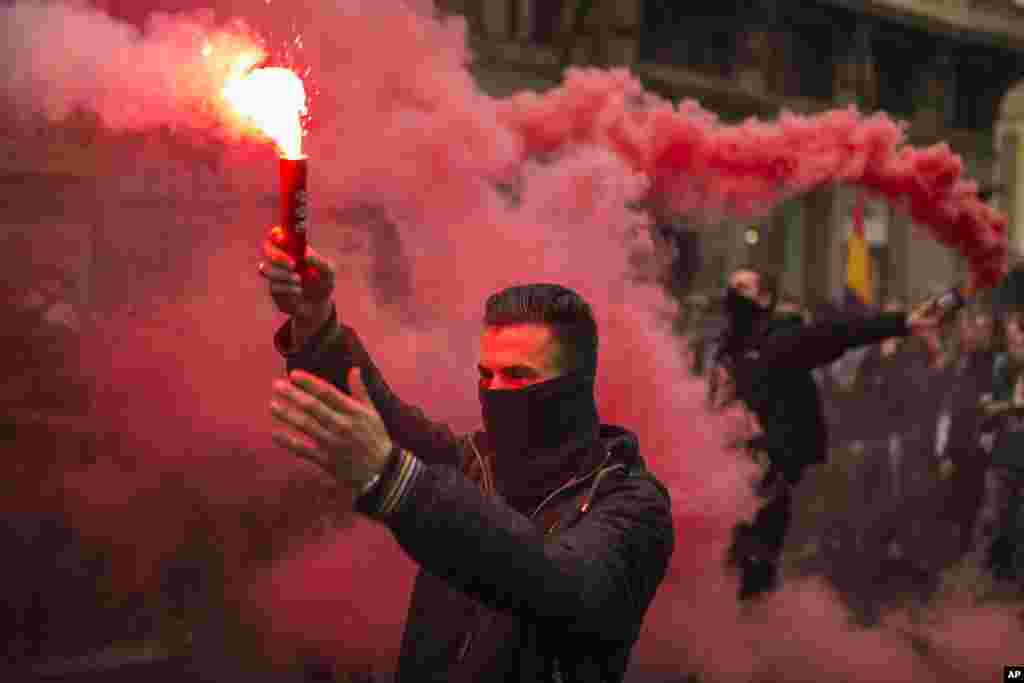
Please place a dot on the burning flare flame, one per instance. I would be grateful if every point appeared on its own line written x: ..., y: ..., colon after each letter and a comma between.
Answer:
x: 273, y: 99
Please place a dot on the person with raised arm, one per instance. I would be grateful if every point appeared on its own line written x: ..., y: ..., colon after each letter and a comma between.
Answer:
x: 541, y: 538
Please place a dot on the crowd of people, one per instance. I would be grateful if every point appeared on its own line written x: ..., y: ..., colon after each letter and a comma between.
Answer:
x: 924, y: 450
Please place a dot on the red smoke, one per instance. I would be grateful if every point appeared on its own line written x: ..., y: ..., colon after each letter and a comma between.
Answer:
x: 704, y: 167
x: 401, y: 127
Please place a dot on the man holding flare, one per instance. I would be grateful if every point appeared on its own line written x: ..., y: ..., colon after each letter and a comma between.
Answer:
x: 541, y: 539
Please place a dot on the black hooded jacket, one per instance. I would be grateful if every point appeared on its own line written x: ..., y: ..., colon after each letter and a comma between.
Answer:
x: 772, y: 366
x: 557, y: 593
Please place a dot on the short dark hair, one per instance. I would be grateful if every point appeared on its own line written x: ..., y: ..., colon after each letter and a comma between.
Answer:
x: 562, y: 310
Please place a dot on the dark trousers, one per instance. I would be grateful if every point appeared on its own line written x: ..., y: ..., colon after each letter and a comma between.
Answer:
x: 757, y: 545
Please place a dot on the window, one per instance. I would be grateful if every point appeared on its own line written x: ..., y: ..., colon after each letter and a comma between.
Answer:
x: 547, y: 19
x: 810, y: 71
x: 700, y: 35
x: 983, y: 76
x: 902, y: 56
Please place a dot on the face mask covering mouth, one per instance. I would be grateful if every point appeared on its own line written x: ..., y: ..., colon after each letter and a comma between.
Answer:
x: 543, y: 415
x: 540, y: 435
x: 743, y: 312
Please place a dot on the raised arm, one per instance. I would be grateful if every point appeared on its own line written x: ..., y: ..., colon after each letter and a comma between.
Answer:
x: 596, y: 578
x: 313, y: 340
x: 809, y: 347
x: 332, y: 351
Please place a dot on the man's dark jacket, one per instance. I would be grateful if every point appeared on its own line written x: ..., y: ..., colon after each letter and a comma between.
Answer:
x: 556, y: 593
x: 772, y: 367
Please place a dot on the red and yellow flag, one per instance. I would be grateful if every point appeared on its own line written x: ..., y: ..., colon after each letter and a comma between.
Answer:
x: 858, y: 259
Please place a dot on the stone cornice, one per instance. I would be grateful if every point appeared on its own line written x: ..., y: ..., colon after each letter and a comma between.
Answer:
x: 994, y: 22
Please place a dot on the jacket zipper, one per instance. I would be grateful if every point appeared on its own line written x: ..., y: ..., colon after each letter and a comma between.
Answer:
x: 468, y: 640
x: 465, y: 645
x: 572, y: 483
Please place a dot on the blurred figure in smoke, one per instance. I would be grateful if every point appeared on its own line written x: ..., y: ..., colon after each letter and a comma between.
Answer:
x: 771, y: 366
x: 964, y: 445
x: 41, y: 344
x: 898, y: 405
x: 878, y: 389
x: 541, y: 540
x: 999, y: 535
x: 696, y: 335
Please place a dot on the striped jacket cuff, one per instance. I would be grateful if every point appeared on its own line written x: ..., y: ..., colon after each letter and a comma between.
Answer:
x: 393, y: 489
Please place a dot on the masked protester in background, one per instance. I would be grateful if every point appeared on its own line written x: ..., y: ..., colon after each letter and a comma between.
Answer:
x: 541, y: 539
x: 965, y: 439
x: 771, y: 366
x: 998, y: 541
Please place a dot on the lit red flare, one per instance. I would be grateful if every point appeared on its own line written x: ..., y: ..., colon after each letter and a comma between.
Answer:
x: 295, y: 212
x: 272, y: 100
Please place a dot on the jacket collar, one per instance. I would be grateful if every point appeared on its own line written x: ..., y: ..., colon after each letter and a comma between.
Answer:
x: 543, y: 473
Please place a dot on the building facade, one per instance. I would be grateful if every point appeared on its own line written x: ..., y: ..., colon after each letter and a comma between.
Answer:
x: 947, y: 67
x: 943, y: 66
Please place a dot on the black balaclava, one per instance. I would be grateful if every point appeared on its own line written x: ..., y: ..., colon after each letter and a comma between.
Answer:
x: 537, y: 434
x: 743, y: 312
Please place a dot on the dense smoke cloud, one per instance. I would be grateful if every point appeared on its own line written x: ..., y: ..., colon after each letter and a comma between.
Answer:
x: 403, y: 144
x: 62, y: 56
